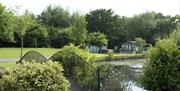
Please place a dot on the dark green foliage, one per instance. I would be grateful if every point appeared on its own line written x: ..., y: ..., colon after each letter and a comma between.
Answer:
x: 60, y: 37
x: 63, y: 27
x: 1, y: 72
x: 105, y: 21
x: 161, y: 71
x: 55, y: 16
x: 6, y: 24
x: 36, y: 36
x: 175, y: 35
x: 140, y: 43
x: 79, y: 32
x: 45, y: 76
x: 149, y: 26
x: 76, y: 63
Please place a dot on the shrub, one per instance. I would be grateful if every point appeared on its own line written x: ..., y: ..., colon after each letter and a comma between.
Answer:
x: 76, y: 63
x: 110, y: 55
x: 175, y: 35
x: 45, y: 76
x: 1, y: 72
x: 162, y: 70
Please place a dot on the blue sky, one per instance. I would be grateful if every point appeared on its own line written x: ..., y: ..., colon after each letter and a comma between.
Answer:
x: 120, y: 7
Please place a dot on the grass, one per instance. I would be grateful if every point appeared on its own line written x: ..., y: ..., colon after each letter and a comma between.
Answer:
x: 7, y: 64
x: 104, y: 56
x: 11, y: 53
x: 14, y: 53
x: 124, y: 62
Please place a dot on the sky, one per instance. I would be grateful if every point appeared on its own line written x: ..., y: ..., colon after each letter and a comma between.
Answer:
x: 120, y: 7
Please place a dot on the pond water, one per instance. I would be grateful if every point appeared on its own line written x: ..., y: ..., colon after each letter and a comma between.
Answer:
x: 136, y: 88
x: 137, y: 64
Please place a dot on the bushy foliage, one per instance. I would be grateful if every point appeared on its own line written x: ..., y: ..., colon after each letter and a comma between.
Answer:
x: 162, y: 70
x: 110, y: 55
x: 98, y: 39
x: 45, y: 76
x: 6, y: 24
x: 175, y: 35
x: 76, y: 63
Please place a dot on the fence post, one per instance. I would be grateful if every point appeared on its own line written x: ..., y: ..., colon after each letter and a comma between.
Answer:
x: 98, y: 79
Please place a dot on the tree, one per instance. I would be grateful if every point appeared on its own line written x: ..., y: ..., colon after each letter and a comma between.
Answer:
x: 36, y: 36
x: 98, y: 39
x: 165, y: 25
x: 140, y: 45
x: 175, y: 35
x: 63, y: 28
x: 60, y: 37
x: 142, y: 26
x: 140, y: 41
x: 22, y: 24
x: 55, y: 16
x: 105, y: 21
x: 79, y: 31
x: 6, y: 24
x: 149, y: 26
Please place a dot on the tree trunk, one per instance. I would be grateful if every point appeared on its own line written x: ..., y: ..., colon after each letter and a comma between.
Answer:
x: 21, y: 46
x: 100, y: 49
x: 36, y: 43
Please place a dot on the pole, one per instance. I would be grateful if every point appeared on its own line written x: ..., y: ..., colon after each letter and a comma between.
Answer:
x: 98, y: 78
x: 21, y: 46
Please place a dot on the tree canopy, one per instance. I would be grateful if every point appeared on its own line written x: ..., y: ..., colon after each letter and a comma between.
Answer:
x: 6, y: 24
x: 97, y: 39
x: 105, y: 21
x: 56, y: 27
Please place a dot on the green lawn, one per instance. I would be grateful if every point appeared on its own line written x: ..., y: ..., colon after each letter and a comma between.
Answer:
x: 103, y: 56
x: 14, y: 53
x: 11, y: 53
x: 7, y: 64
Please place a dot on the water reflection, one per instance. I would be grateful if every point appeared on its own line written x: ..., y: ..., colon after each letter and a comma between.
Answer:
x: 122, y: 76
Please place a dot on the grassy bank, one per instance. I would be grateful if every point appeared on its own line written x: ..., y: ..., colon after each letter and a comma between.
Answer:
x: 7, y: 64
x: 14, y: 53
x: 100, y: 57
x: 11, y: 53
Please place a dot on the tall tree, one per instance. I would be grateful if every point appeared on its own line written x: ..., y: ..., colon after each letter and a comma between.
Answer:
x: 55, y: 16
x: 57, y: 20
x: 141, y: 26
x: 149, y: 26
x: 36, y: 36
x: 6, y: 24
x: 22, y: 24
x: 105, y: 21
x: 60, y: 37
x: 98, y: 39
x: 79, y: 31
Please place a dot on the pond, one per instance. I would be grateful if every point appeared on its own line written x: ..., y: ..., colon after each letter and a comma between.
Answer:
x: 136, y: 88
x: 135, y: 64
